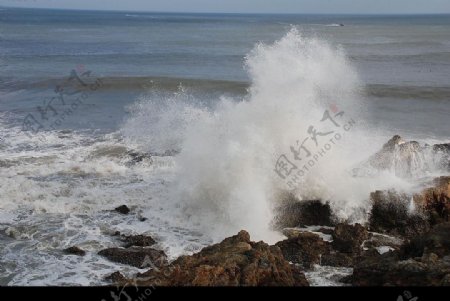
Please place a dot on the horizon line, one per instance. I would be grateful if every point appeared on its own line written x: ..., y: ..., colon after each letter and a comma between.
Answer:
x: 230, y: 13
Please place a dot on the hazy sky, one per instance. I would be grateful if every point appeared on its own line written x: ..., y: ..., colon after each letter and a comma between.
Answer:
x: 247, y: 6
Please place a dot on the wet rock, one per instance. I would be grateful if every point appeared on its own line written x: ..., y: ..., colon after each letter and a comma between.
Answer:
x: 122, y: 209
x: 137, y: 157
x: 444, y: 148
x: 109, y: 151
x: 305, y: 249
x: 292, y: 232
x: 324, y: 233
x: 382, y: 243
x: 349, y: 238
x: 327, y: 231
x: 404, y: 158
x: 423, y: 261
x: 435, y: 200
x: 436, y: 241
x: 441, y: 156
x: 391, y: 214
x: 236, y: 261
x: 117, y: 278
x: 295, y: 213
x: 410, y: 215
x: 136, y: 256
x: 337, y: 259
x: 383, y: 159
x: 138, y: 241
x: 387, y: 271
x: 74, y: 251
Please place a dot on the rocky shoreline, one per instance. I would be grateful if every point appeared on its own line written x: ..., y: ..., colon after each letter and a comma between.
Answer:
x: 395, y: 247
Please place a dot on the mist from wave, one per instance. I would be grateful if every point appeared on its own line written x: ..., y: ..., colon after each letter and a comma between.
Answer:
x: 225, y: 177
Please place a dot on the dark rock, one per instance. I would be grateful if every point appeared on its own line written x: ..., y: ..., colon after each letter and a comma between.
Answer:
x: 347, y: 279
x: 436, y: 241
x: 137, y: 157
x: 236, y: 261
x: 117, y: 278
x: 304, y: 249
x: 388, y: 271
x: 337, y: 259
x: 122, y: 209
x: 379, y: 241
x: 441, y: 156
x: 138, y: 241
x: 423, y: 261
x: 434, y: 201
x: 349, y: 238
x: 295, y: 213
x: 391, y: 210
x: 444, y: 148
x: 390, y: 214
x: 136, y: 256
x: 74, y: 251
x: 326, y: 231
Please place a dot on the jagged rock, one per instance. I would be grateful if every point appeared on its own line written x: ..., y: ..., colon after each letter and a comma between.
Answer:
x: 136, y: 256
x: 305, y: 249
x: 138, y: 241
x: 444, y: 148
x: 423, y: 261
x: 295, y: 213
x: 137, y: 157
x: 122, y: 209
x: 436, y: 241
x: 382, y: 243
x: 337, y: 259
x: 391, y: 214
x: 74, y: 251
x: 404, y: 158
x: 441, y: 156
x: 236, y: 261
x: 109, y: 151
x: 383, y: 159
x: 410, y: 215
x: 435, y: 200
x: 349, y: 238
x: 292, y: 232
x: 387, y: 271
x: 295, y: 232
x: 117, y: 278
x: 327, y: 231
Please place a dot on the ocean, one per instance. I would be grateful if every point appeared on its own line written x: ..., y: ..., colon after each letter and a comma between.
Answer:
x: 182, y: 117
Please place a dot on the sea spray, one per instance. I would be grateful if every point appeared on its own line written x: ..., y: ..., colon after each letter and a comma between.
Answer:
x: 225, y: 177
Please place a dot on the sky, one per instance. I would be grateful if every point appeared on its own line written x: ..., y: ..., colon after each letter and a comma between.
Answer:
x: 248, y: 6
